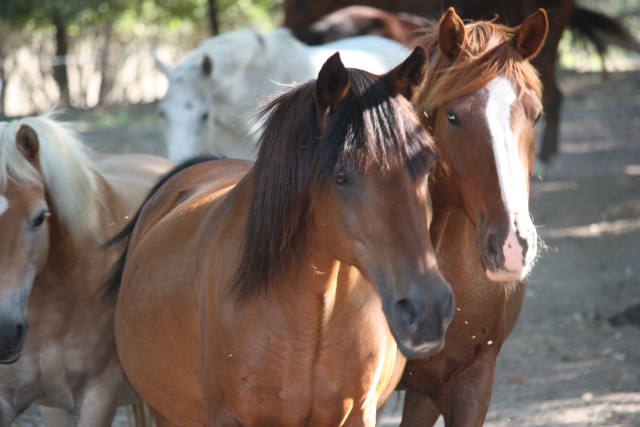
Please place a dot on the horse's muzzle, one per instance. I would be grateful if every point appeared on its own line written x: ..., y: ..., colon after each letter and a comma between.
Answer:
x: 509, y: 258
x: 420, y: 320
x: 12, y: 338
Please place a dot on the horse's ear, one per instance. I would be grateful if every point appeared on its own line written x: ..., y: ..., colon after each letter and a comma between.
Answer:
x: 407, y: 77
x: 452, y: 35
x: 28, y: 143
x: 530, y: 36
x: 332, y: 85
x: 206, y: 67
x: 164, y: 68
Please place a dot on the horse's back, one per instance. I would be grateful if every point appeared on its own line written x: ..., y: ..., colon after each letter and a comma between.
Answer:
x: 130, y: 176
x: 374, y: 54
x: 157, y: 317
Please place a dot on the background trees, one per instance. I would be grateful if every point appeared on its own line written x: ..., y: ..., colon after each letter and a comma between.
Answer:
x: 57, y: 32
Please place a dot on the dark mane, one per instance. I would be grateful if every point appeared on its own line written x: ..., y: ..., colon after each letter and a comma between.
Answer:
x: 371, y: 125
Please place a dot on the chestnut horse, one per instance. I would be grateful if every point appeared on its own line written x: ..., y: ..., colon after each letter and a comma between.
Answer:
x: 58, y: 204
x: 481, y: 101
x: 301, y: 16
x: 269, y: 294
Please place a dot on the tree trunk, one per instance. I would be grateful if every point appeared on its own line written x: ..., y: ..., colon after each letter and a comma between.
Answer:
x: 3, y: 87
x: 106, y: 70
x: 213, y: 17
x: 60, y: 74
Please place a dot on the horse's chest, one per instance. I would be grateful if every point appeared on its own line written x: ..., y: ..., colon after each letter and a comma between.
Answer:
x: 303, y: 383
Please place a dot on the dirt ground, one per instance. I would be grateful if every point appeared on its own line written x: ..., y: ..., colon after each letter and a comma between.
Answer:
x: 574, y: 358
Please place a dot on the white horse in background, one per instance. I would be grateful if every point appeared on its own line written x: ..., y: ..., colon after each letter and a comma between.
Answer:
x: 215, y: 92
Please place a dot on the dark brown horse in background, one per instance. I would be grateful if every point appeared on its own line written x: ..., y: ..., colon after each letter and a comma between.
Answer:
x: 357, y: 20
x: 598, y: 28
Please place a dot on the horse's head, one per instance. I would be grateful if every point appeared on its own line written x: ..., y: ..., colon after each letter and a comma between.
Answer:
x: 39, y: 178
x: 482, y: 101
x: 211, y: 96
x: 185, y: 107
x: 356, y: 166
x: 378, y: 211
x: 25, y: 241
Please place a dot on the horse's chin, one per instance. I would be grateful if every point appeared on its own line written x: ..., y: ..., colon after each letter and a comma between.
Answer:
x: 10, y: 357
x: 413, y: 351
x: 506, y: 275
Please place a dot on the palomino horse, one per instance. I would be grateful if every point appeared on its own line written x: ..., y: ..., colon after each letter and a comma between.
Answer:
x: 268, y: 294
x: 216, y: 91
x: 58, y: 204
x: 300, y: 16
x: 481, y: 100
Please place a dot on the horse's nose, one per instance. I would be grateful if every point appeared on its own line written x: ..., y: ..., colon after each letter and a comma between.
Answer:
x: 423, y: 316
x: 12, y: 335
x: 492, y: 250
x: 406, y: 315
x: 508, y: 255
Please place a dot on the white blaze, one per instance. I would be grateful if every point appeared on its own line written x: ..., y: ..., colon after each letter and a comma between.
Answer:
x: 511, y: 175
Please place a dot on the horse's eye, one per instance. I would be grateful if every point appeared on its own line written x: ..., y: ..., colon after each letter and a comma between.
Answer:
x: 204, y: 116
x: 537, y: 118
x: 453, y: 119
x: 39, y: 220
x: 341, y: 178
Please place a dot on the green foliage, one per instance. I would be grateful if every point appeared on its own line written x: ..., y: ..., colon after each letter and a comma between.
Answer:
x: 74, y: 13
x: 82, y: 14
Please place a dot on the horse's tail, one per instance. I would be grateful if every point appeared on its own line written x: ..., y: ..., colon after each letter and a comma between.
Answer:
x: 602, y: 31
x: 140, y: 415
x: 121, y: 240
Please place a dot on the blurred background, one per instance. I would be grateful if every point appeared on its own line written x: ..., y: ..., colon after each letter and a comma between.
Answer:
x: 85, y: 54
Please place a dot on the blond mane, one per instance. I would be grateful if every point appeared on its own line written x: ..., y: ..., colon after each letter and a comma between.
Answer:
x: 487, y: 54
x: 68, y: 175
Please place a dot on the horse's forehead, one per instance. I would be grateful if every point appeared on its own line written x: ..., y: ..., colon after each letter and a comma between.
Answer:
x: 182, y: 95
x: 502, y: 90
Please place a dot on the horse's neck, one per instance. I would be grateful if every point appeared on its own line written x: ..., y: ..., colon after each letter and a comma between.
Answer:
x: 69, y: 282
x: 450, y: 221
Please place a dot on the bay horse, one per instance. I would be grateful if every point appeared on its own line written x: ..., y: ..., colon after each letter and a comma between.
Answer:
x: 216, y: 91
x: 302, y: 17
x: 481, y: 101
x: 58, y: 203
x: 268, y: 293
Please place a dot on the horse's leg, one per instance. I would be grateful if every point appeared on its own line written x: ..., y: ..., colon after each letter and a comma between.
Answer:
x: 465, y: 399
x: 99, y: 403
x: 56, y: 417
x: 97, y: 412
x: 7, y: 412
x: 559, y: 18
x: 419, y: 410
x: 552, y: 103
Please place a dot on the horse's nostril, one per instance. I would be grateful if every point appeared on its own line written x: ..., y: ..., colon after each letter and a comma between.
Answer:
x: 448, y: 312
x: 19, y: 332
x: 406, y: 314
x: 491, y: 248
